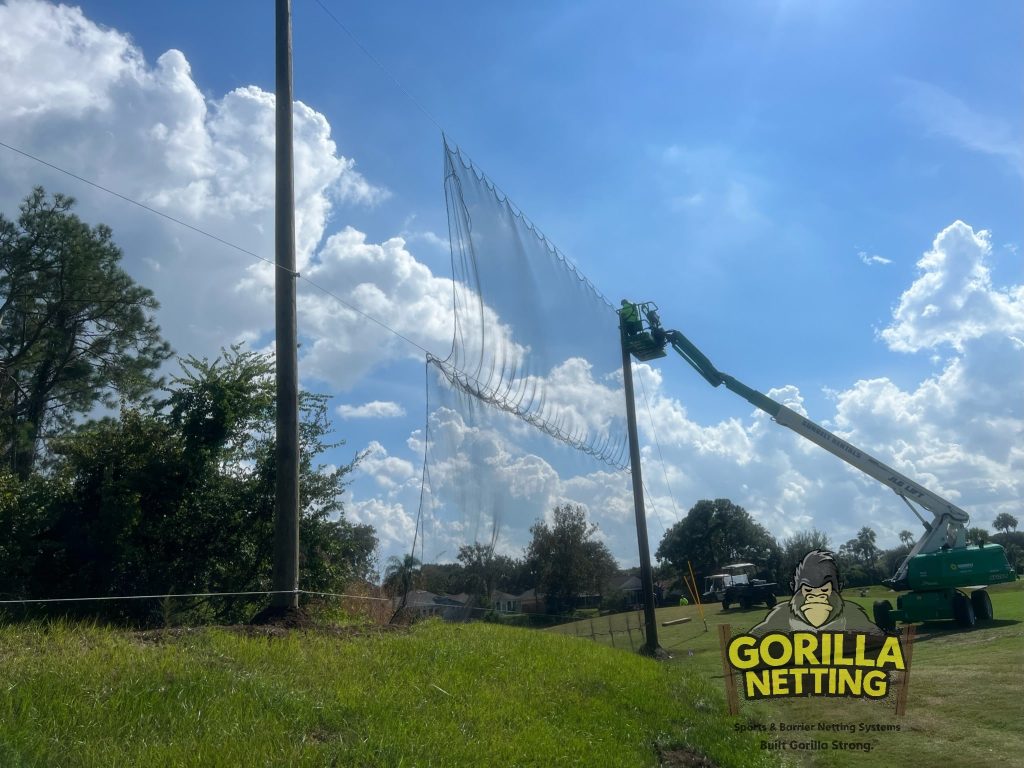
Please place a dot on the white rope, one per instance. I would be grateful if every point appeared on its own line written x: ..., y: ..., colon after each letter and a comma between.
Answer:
x: 143, y: 597
x: 187, y: 594
x: 338, y: 594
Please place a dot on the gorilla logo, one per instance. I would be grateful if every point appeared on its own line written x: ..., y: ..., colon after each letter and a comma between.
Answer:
x: 816, y: 604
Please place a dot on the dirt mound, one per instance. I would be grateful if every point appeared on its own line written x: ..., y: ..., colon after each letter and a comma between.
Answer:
x: 684, y: 757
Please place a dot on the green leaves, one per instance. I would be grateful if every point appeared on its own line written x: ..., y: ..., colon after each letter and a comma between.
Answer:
x: 566, y: 560
x: 75, y: 329
x: 178, y: 496
x: 716, y: 533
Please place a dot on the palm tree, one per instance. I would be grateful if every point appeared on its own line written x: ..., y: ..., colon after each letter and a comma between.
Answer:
x: 865, y: 545
x: 1004, y: 522
x: 906, y: 538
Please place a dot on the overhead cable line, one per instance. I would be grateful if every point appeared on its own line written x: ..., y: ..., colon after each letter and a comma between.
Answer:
x: 127, y: 199
x: 383, y: 69
x: 650, y: 500
x: 661, y: 456
x: 220, y: 240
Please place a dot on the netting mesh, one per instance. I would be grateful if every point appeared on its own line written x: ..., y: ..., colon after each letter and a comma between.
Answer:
x: 527, y: 410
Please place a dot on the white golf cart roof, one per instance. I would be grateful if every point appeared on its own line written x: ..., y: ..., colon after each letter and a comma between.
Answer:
x: 738, y: 565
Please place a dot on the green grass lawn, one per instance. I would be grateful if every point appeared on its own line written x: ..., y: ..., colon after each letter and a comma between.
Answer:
x: 966, y: 702
x: 479, y: 694
x: 436, y: 695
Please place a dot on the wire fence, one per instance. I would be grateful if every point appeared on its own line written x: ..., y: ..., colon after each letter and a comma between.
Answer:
x: 632, y: 635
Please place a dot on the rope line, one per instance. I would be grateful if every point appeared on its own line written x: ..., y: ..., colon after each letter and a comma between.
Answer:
x: 189, y: 594
x: 661, y: 456
x: 145, y: 597
x: 342, y: 594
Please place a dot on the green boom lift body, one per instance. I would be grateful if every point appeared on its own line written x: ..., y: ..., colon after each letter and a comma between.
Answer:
x: 938, y: 566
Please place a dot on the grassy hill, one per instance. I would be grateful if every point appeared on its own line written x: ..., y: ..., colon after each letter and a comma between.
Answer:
x: 436, y: 695
x: 472, y: 695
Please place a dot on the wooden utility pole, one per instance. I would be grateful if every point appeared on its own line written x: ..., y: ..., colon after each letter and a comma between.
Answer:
x: 650, y: 646
x: 286, y: 497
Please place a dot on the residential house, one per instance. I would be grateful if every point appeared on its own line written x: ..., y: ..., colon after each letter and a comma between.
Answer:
x: 424, y: 604
x: 630, y: 590
x: 503, y: 602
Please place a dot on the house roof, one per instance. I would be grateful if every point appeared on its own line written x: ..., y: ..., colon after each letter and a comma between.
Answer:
x: 420, y: 597
x: 629, y: 583
x: 451, y: 600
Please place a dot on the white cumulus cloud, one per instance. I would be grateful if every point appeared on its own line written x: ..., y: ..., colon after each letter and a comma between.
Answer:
x: 953, y: 299
x: 375, y: 409
x: 85, y: 98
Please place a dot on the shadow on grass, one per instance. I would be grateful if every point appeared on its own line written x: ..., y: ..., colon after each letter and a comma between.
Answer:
x: 688, y: 639
x: 931, y: 630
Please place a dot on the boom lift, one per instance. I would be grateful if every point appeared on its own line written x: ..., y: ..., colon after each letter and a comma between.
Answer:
x: 938, y: 566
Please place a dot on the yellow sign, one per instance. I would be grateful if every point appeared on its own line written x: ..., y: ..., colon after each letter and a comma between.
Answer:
x: 816, y: 663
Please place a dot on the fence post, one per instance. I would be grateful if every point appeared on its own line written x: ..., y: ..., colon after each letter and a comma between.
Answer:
x: 629, y: 629
x: 908, y: 655
x: 724, y: 634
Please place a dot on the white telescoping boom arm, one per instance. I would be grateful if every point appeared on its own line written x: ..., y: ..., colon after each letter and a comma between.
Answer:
x: 948, y: 528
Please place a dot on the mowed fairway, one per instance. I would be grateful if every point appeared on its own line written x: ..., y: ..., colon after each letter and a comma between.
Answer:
x: 966, y: 701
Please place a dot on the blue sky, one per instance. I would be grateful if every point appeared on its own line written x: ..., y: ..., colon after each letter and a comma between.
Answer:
x: 770, y: 174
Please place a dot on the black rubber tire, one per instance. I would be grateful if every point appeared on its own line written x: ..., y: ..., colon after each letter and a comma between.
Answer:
x: 746, y: 603
x: 963, y: 610
x: 725, y: 605
x: 882, y: 610
x: 770, y: 601
x: 982, y: 605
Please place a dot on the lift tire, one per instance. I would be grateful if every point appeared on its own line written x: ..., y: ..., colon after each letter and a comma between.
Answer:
x: 770, y: 601
x: 963, y: 610
x: 882, y: 610
x: 982, y: 605
x: 725, y: 605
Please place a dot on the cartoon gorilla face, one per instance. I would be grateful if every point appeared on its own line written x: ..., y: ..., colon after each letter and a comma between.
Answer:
x: 816, y: 589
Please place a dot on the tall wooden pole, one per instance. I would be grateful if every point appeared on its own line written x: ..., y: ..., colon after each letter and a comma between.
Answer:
x: 650, y: 647
x: 286, y: 497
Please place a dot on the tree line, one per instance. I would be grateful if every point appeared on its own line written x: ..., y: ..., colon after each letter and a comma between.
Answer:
x: 718, y: 532
x: 563, y: 563
x: 115, y: 481
x: 567, y: 566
